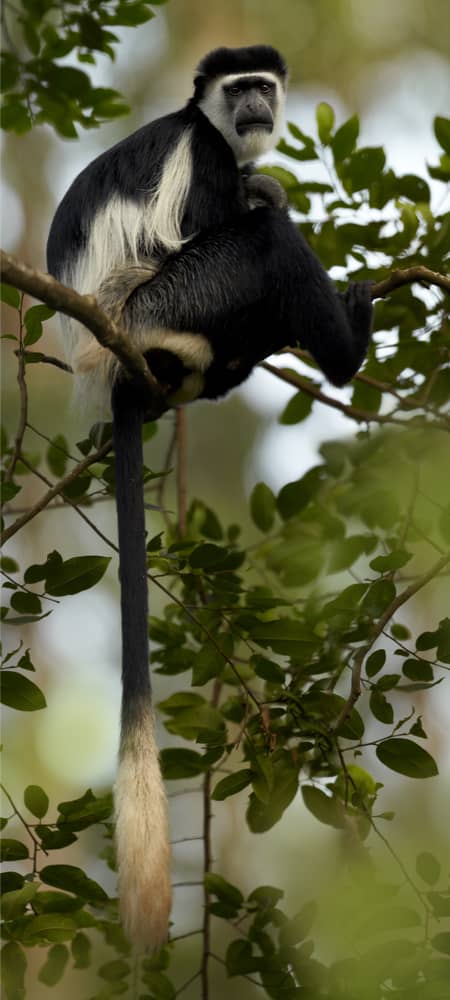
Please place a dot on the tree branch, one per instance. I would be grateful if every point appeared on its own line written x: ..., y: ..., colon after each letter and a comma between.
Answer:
x: 406, y: 277
x: 85, y: 309
x: 53, y: 492
x: 292, y: 378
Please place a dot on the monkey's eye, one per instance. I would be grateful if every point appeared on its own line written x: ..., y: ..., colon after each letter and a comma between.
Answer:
x: 234, y: 91
x: 265, y: 88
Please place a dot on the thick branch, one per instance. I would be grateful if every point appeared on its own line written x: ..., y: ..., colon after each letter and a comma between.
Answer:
x: 85, y: 309
x: 406, y: 277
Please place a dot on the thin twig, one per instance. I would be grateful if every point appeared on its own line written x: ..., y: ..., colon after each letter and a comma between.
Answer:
x: 207, y: 861
x: 47, y: 359
x: 27, y: 826
x: 163, y: 480
x: 53, y: 492
x: 299, y: 382
x: 180, y: 421
x: 377, y: 629
x: 187, y: 983
x: 23, y: 392
x: 75, y: 506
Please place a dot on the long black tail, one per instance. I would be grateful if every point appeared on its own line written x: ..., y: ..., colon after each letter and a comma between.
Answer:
x: 142, y: 838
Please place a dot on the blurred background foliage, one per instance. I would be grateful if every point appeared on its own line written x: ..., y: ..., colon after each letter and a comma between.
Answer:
x: 341, y: 492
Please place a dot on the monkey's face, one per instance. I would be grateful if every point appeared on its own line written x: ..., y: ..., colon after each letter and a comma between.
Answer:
x: 247, y: 108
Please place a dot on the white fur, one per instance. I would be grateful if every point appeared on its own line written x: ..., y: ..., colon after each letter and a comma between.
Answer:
x: 142, y: 840
x: 119, y: 233
x: 254, y: 143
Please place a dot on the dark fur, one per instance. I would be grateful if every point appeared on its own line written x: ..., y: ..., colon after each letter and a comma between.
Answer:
x: 252, y: 289
x: 255, y: 58
x: 248, y: 282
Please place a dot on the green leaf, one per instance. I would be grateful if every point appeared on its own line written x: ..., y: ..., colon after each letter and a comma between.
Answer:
x: 81, y: 951
x: 442, y: 132
x: 181, y: 763
x: 375, y: 662
x: 75, y: 575
x: 232, y: 784
x: 219, y: 887
x: 53, y: 968
x: 266, y: 896
x: 325, y: 122
x: 34, y: 318
x: 57, y: 455
x: 395, y: 560
x: 298, y: 408
x: 10, y: 70
x: 239, y: 958
x: 15, y: 117
x: 284, y: 635
x: 78, y: 814
x: 262, y: 815
x: 440, y: 639
x: 9, y: 491
x: 51, y: 901
x: 207, y: 664
x: 26, y: 603
x: 387, y: 918
x: 406, y: 757
x: 414, y: 188
x: 112, y: 971
x: 36, y: 800
x: 267, y: 669
x: 131, y: 14
x: 14, y: 903
x: 344, y: 140
x: 262, y: 507
x: 326, y: 808
x: 381, y: 708
x: 418, y: 670
x: 55, y: 927
x: 10, y: 295
x: 347, y: 550
x: 12, y: 850
x: 365, y: 166
x: 159, y: 985
x: 54, y: 840
x: 14, y: 965
x: 20, y: 693
x: 295, y: 496
x: 73, y: 879
x: 379, y: 596
x: 298, y: 927
x: 441, y: 942
x: 428, y: 867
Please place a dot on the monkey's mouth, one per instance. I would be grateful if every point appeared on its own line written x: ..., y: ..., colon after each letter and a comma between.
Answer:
x: 244, y: 129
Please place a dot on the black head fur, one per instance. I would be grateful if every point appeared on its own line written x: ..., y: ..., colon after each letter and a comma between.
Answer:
x: 253, y: 58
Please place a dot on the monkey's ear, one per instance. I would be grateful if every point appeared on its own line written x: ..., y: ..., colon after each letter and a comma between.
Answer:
x: 200, y: 82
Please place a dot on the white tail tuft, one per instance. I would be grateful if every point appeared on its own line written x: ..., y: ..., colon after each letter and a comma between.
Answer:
x: 142, y: 839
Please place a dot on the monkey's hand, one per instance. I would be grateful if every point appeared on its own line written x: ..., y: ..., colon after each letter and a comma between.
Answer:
x: 264, y: 191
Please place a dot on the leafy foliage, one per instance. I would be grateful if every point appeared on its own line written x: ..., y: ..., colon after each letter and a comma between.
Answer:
x: 266, y: 633
x: 42, y: 33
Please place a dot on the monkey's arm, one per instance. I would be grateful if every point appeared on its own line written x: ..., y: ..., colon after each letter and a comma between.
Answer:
x: 262, y: 190
x: 252, y: 289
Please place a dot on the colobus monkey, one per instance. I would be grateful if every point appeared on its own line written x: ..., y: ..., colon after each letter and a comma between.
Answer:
x: 198, y: 260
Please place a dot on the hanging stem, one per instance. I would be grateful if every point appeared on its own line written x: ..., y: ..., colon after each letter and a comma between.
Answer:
x: 180, y: 419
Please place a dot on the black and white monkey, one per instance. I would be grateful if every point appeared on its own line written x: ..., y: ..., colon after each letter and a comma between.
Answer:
x: 197, y: 258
